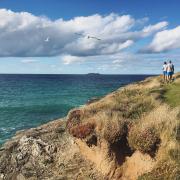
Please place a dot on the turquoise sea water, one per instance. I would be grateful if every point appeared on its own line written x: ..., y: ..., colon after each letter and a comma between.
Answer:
x: 30, y: 100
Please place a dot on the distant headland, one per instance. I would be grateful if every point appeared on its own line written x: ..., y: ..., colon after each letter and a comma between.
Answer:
x: 93, y: 74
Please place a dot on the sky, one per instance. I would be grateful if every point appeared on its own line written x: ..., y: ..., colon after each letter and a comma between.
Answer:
x: 88, y: 36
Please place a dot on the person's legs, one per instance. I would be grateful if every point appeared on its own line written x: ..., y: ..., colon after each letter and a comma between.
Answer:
x: 171, y: 76
x: 164, y: 76
x: 168, y: 76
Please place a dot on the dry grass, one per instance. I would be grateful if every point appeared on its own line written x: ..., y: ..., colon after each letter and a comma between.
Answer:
x: 127, y: 104
x: 111, y: 127
x: 164, y: 170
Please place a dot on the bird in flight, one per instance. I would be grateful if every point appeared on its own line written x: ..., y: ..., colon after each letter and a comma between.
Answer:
x: 89, y: 37
x: 47, y: 39
x: 92, y: 37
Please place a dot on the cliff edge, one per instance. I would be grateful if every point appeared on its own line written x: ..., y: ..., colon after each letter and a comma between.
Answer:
x: 130, y: 134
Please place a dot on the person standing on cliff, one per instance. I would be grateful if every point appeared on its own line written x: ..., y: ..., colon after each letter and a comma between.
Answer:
x: 164, y: 68
x: 170, y: 71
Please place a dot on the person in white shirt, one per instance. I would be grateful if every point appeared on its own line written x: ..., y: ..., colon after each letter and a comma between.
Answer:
x: 164, y: 68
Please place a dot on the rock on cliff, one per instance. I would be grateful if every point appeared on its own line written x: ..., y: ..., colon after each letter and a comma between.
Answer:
x: 46, y: 152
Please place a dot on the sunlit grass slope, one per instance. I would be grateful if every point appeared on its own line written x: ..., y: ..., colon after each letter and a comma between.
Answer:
x: 172, y: 95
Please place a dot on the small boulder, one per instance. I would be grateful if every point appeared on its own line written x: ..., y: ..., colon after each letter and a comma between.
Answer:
x: 50, y: 149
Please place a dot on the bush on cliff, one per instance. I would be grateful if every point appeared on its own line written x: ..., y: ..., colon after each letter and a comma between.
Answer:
x: 73, y: 118
x: 144, y: 140
x: 114, y: 129
x: 83, y: 130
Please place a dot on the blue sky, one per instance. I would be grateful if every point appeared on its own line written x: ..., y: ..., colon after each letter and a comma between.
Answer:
x: 39, y: 36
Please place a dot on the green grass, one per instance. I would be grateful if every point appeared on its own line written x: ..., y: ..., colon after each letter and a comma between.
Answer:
x: 172, y: 94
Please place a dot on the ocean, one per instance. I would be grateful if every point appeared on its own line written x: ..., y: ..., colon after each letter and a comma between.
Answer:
x: 28, y: 101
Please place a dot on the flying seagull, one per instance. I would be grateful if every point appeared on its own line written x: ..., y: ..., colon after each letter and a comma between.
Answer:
x: 47, y: 39
x: 92, y: 37
x: 89, y: 37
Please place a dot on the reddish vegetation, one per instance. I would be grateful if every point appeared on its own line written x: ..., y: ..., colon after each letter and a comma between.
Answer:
x: 75, y: 128
x: 73, y: 119
x: 82, y: 131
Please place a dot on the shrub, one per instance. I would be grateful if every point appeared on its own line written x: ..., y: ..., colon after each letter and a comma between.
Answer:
x: 82, y: 131
x: 114, y: 130
x: 73, y: 118
x: 144, y: 140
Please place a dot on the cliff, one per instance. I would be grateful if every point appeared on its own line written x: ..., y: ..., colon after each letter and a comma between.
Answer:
x: 132, y: 133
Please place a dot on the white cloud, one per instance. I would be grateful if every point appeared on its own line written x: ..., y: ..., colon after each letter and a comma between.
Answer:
x: 164, y: 41
x: 29, y: 61
x: 116, y: 47
x: 23, y: 35
x: 120, y: 58
x: 154, y: 28
x: 68, y: 59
